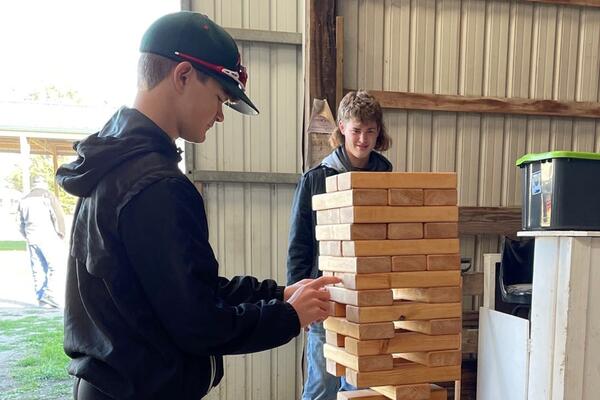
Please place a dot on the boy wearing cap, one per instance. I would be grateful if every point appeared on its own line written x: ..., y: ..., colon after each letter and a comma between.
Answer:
x: 146, y: 314
x: 359, y: 135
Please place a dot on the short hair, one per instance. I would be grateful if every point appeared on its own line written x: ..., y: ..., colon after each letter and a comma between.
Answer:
x: 363, y: 107
x: 152, y: 69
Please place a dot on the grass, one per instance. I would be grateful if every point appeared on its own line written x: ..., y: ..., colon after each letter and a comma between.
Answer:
x: 13, y: 245
x: 38, y: 363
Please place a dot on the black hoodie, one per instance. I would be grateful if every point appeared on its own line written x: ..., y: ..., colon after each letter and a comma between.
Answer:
x: 302, y: 249
x: 146, y: 314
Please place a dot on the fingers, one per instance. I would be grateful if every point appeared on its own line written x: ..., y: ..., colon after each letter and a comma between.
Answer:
x: 324, y: 280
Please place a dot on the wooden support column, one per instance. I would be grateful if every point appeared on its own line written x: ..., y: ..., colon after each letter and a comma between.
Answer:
x: 319, y: 60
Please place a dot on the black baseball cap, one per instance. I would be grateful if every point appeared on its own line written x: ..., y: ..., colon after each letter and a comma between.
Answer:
x: 193, y: 37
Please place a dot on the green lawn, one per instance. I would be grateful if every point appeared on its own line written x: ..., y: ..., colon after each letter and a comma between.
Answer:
x: 37, y: 363
x: 12, y: 245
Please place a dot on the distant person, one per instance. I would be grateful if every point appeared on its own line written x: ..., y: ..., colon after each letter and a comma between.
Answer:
x: 42, y: 223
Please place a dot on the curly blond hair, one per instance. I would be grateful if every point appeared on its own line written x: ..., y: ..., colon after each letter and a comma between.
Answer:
x: 361, y: 106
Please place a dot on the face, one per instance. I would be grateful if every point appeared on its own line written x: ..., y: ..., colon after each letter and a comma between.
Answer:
x: 201, y: 106
x: 359, y: 140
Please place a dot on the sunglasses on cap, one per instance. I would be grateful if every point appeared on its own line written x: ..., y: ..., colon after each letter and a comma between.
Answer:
x: 240, y: 76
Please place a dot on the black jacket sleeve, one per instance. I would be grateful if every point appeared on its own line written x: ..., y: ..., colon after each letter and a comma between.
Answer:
x: 302, y: 248
x: 165, y: 234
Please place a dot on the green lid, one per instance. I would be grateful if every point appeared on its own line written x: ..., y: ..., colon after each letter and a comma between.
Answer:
x: 532, y: 157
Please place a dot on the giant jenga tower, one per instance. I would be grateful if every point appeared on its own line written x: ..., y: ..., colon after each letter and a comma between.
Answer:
x: 393, y: 240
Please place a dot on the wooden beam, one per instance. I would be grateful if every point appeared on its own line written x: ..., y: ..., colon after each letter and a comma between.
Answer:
x: 339, y: 62
x: 588, y: 3
x: 497, y: 105
x: 489, y: 220
x: 265, y: 36
x: 320, y: 57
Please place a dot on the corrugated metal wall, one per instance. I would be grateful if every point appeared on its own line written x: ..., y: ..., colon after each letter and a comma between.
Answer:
x: 249, y: 222
x: 476, y: 48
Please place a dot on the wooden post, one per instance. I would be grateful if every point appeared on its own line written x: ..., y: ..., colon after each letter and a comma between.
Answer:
x: 339, y: 61
x: 319, y: 59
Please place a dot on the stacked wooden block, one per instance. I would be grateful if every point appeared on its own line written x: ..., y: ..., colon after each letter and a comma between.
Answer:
x: 392, y: 238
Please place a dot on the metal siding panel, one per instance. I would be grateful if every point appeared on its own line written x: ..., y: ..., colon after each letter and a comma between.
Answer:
x: 496, y: 55
x: 418, y: 157
x: 248, y: 223
x: 447, y: 55
x: 447, y: 47
x: 514, y: 147
x: 583, y: 135
x: 422, y: 47
x: 544, y: 38
x: 567, y: 39
x: 472, y: 47
x: 589, y: 56
x: 349, y: 10
x: 467, y: 158
x: 396, y: 123
x: 520, y: 49
x: 370, y: 44
x: 397, y: 45
x: 490, y: 168
x: 561, y: 134
x: 444, y: 142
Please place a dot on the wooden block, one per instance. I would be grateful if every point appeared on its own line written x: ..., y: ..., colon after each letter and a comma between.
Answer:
x: 399, y: 279
x: 380, y: 362
x: 439, y: 393
x: 440, y: 230
x: 328, y: 217
x: 405, y: 197
x: 380, y: 297
x: 362, y: 394
x: 445, y: 326
x: 403, y: 311
x: 331, y: 248
x: 409, y: 263
x: 429, y: 295
x: 396, y: 180
x: 421, y: 391
x: 334, y: 338
x: 334, y: 368
x: 360, y: 331
x: 348, y: 198
x: 389, y: 214
x: 440, y: 197
x: 331, y: 184
x: 403, y: 374
x: 443, y: 262
x: 351, y: 232
x: 406, y: 230
x: 424, y: 279
x: 366, y: 248
x: 358, y: 265
x: 434, y: 358
x: 337, y: 309
x: 402, y: 342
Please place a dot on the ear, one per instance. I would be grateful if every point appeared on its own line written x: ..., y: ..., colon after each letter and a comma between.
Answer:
x: 181, y: 75
x: 341, y: 127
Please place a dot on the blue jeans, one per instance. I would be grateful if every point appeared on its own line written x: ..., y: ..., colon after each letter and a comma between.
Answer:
x: 319, y: 384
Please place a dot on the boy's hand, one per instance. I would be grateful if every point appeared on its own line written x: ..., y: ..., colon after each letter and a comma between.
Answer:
x: 310, y: 299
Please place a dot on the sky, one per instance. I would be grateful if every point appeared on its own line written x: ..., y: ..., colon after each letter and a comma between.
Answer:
x: 90, y: 46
